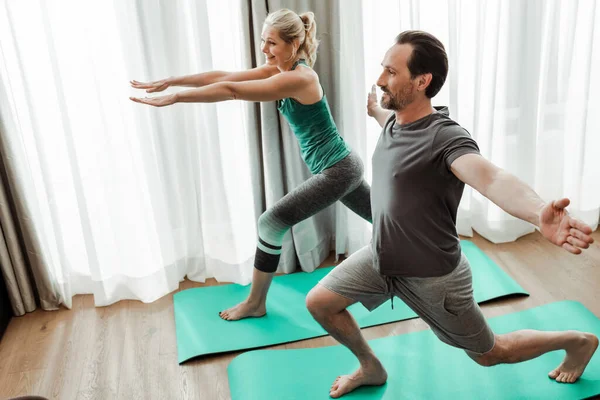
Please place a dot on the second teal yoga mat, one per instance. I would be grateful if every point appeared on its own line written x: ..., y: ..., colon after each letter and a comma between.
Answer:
x: 420, y: 366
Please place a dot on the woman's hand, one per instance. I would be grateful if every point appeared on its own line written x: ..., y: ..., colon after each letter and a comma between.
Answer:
x: 152, y: 87
x: 159, y: 101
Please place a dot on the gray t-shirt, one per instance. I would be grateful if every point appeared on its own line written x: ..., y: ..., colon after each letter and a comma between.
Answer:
x: 415, y: 195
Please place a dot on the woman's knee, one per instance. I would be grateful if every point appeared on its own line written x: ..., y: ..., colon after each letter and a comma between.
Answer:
x: 263, y: 220
x: 271, y: 228
x: 269, y: 244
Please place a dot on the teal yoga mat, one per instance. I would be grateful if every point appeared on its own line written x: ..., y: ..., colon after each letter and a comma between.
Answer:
x: 421, y: 367
x: 200, y: 331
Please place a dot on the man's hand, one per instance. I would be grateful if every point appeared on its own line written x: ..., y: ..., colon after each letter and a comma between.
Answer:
x: 372, y: 102
x: 374, y: 110
x: 560, y: 228
x: 159, y: 101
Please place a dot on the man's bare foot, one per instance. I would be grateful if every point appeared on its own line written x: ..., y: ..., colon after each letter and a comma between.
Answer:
x: 577, y: 358
x: 243, y: 310
x: 370, y: 374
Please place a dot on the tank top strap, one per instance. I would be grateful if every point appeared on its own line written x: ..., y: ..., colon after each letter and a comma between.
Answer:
x: 298, y: 62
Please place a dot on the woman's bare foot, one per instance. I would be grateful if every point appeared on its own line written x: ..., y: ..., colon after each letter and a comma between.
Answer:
x: 370, y: 374
x: 577, y: 358
x: 244, y: 310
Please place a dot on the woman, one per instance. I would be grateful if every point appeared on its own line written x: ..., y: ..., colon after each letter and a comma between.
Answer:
x: 290, y: 48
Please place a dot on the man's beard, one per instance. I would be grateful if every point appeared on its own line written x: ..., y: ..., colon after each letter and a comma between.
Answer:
x: 400, y: 100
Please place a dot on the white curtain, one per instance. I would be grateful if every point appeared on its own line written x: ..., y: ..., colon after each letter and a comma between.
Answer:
x: 521, y: 82
x: 127, y: 199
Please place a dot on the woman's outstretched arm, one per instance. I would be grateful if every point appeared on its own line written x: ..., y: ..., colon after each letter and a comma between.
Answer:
x: 207, y: 78
x: 280, y: 86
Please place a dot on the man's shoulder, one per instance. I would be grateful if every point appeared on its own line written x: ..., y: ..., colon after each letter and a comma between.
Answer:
x: 446, y: 126
x: 448, y: 132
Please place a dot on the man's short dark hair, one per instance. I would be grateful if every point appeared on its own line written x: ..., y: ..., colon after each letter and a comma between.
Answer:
x: 428, y: 56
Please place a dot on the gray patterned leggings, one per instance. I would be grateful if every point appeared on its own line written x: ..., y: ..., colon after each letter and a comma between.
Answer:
x: 342, y: 181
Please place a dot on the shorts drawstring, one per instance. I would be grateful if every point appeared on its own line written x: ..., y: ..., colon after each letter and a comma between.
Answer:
x: 388, y: 281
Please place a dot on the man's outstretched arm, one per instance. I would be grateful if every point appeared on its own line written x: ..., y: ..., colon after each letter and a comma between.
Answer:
x: 519, y: 200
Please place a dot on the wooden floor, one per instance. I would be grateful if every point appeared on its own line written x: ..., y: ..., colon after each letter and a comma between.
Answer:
x: 128, y: 350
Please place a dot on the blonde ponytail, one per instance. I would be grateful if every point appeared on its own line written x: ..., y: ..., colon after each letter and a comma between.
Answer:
x: 311, y: 44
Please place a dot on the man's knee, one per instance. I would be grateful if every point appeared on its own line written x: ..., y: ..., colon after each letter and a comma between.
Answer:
x: 493, y: 357
x: 485, y: 360
x: 315, y: 301
x: 321, y: 302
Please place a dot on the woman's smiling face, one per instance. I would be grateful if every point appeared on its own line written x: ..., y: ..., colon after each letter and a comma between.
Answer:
x: 276, y: 50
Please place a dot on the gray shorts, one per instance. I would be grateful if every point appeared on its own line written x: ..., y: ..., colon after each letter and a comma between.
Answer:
x: 445, y: 303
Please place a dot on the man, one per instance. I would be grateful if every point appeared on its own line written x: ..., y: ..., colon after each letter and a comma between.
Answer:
x: 420, y: 166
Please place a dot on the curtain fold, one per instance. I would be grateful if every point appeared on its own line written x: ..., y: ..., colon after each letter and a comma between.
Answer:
x: 27, y: 276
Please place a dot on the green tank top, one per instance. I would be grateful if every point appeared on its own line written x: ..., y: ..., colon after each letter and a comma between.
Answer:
x: 320, y: 143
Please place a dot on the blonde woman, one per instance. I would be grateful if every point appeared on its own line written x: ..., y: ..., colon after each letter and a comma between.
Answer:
x: 290, y: 47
